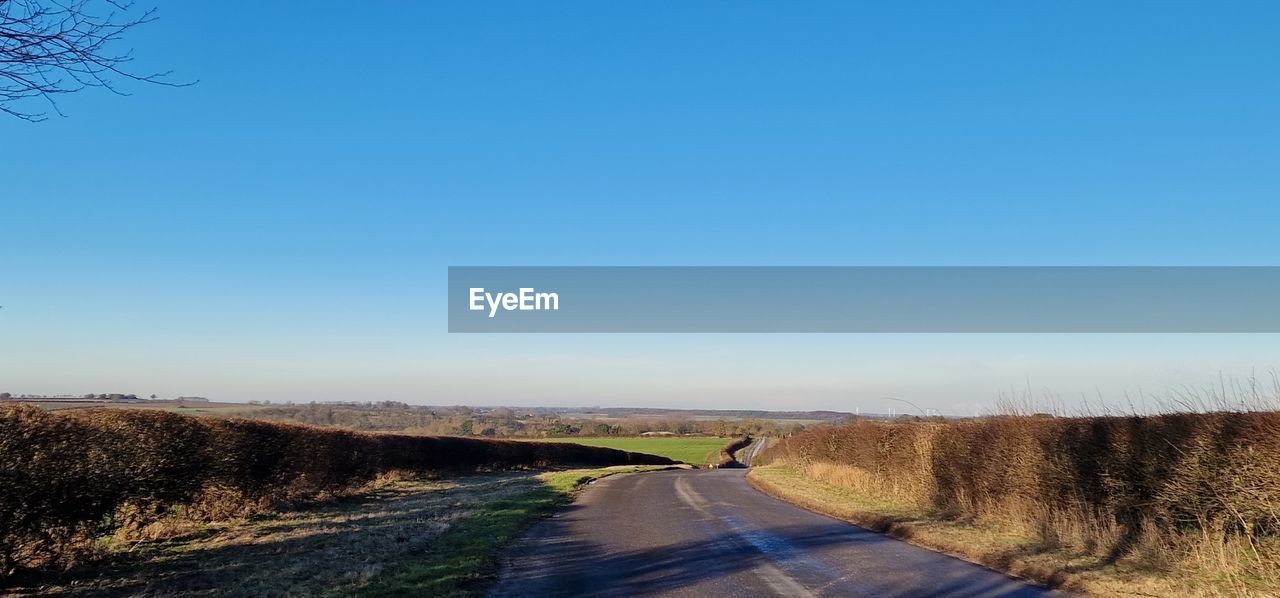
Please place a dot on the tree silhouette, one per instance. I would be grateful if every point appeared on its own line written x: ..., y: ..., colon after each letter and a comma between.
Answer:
x: 53, y: 47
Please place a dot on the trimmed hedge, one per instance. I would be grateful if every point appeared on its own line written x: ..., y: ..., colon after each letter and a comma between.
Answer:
x: 1212, y: 472
x: 726, y: 453
x: 69, y: 477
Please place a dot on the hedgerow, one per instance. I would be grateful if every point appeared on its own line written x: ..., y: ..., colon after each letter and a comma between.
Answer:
x: 1186, y: 484
x: 67, y: 478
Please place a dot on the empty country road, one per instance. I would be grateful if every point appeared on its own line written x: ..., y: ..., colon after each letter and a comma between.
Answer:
x: 708, y: 533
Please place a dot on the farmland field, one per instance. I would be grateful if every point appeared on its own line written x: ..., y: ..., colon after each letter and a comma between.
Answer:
x: 697, y: 450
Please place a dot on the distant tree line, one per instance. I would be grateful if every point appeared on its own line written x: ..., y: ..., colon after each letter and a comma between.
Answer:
x: 115, y: 396
x: 508, y: 422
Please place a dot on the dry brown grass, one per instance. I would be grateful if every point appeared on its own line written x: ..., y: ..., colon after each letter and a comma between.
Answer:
x: 1192, y: 497
x: 1025, y: 554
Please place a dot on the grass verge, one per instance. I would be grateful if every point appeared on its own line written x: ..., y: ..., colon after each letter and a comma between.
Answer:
x: 462, y: 560
x: 389, y: 538
x: 1023, y: 555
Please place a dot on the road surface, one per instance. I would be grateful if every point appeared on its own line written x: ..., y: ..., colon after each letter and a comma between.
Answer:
x: 708, y: 533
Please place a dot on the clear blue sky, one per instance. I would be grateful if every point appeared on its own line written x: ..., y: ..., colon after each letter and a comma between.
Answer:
x: 281, y: 229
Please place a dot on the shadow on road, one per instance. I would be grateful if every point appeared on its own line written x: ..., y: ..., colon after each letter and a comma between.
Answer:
x: 562, y: 565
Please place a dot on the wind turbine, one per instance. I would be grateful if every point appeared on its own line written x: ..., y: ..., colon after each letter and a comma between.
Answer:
x: 922, y: 411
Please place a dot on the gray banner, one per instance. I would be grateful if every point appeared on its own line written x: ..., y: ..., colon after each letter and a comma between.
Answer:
x: 864, y: 299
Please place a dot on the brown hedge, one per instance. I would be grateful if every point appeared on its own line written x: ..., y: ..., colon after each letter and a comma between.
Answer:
x: 1214, y: 472
x: 726, y: 454
x: 69, y: 477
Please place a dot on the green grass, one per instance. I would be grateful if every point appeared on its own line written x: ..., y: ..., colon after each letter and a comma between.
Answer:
x: 694, y: 450
x: 463, y: 560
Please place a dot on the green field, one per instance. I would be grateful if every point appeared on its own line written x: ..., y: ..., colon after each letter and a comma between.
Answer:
x: 695, y: 450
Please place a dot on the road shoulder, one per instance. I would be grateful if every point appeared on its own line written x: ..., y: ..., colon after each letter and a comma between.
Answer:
x: 465, y: 559
x: 1013, y: 554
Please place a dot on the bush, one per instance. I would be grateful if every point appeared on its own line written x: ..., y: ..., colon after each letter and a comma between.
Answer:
x: 70, y: 477
x: 1106, y: 484
x: 726, y: 454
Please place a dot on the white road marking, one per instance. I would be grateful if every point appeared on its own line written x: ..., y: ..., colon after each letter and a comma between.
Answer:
x: 777, y: 579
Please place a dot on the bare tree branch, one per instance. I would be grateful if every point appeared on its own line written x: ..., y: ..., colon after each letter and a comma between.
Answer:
x: 52, y: 47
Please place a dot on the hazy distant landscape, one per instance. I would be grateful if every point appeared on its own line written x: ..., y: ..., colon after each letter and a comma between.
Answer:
x: 493, y: 422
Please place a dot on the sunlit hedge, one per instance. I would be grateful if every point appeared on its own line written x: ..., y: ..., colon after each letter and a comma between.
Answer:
x: 1104, y: 483
x: 68, y: 477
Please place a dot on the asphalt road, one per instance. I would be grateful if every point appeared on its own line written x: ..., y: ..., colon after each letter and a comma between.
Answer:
x: 708, y: 533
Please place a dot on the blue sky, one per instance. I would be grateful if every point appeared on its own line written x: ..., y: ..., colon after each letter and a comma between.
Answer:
x: 281, y: 229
